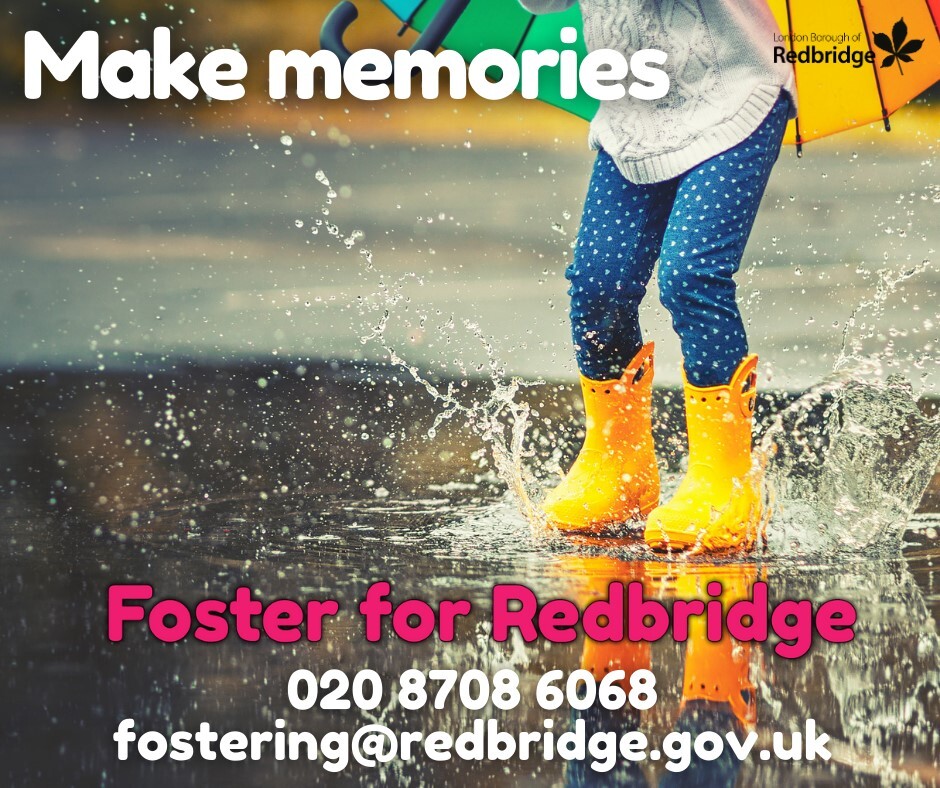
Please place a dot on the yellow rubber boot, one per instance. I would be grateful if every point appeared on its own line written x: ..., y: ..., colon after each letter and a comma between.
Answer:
x: 718, y: 504
x: 614, y: 478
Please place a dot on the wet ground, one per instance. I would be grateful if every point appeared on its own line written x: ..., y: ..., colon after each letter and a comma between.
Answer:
x: 186, y: 400
x: 314, y: 485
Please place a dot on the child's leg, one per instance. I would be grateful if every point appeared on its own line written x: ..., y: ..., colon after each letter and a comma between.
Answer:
x: 615, y: 477
x: 621, y: 231
x: 718, y: 505
x: 702, y: 248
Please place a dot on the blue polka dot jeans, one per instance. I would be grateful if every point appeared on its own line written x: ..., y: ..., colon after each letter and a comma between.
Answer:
x: 697, y: 226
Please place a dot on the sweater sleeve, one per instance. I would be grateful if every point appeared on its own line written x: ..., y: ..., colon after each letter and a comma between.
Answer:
x: 546, y: 6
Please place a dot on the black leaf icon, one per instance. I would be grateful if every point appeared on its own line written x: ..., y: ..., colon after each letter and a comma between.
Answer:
x: 898, y: 51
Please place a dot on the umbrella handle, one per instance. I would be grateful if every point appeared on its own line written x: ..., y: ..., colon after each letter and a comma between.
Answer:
x: 343, y: 15
x: 334, y: 26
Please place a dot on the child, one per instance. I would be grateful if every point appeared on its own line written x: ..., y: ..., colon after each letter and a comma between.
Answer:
x: 678, y: 179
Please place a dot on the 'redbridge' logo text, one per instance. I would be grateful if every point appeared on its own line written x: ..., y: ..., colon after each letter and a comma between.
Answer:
x: 848, y: 48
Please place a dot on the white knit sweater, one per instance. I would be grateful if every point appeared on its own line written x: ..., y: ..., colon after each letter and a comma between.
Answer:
x: 723, y: 80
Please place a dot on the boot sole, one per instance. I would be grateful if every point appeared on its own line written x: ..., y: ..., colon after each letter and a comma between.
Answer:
x: 602, y: 525
x: 679, y: 542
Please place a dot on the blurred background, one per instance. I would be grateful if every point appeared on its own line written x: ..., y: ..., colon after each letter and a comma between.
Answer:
x: 186, y: 229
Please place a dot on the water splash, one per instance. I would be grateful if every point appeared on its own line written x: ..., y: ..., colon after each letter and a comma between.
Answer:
x: 887, y: 282
x: 847, y: 464
x: 501, y: 419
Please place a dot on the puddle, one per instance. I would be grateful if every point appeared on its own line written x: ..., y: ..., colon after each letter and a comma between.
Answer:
x: 201, y: 481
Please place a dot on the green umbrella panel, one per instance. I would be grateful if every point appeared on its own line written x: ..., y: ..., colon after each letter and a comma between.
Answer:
x: 471, y: 26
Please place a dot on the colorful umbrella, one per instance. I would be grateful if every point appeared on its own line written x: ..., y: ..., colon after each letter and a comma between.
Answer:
x: 902, y: 35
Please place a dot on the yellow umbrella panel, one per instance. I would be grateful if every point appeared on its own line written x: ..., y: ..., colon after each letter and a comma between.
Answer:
x: 893, y: 56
